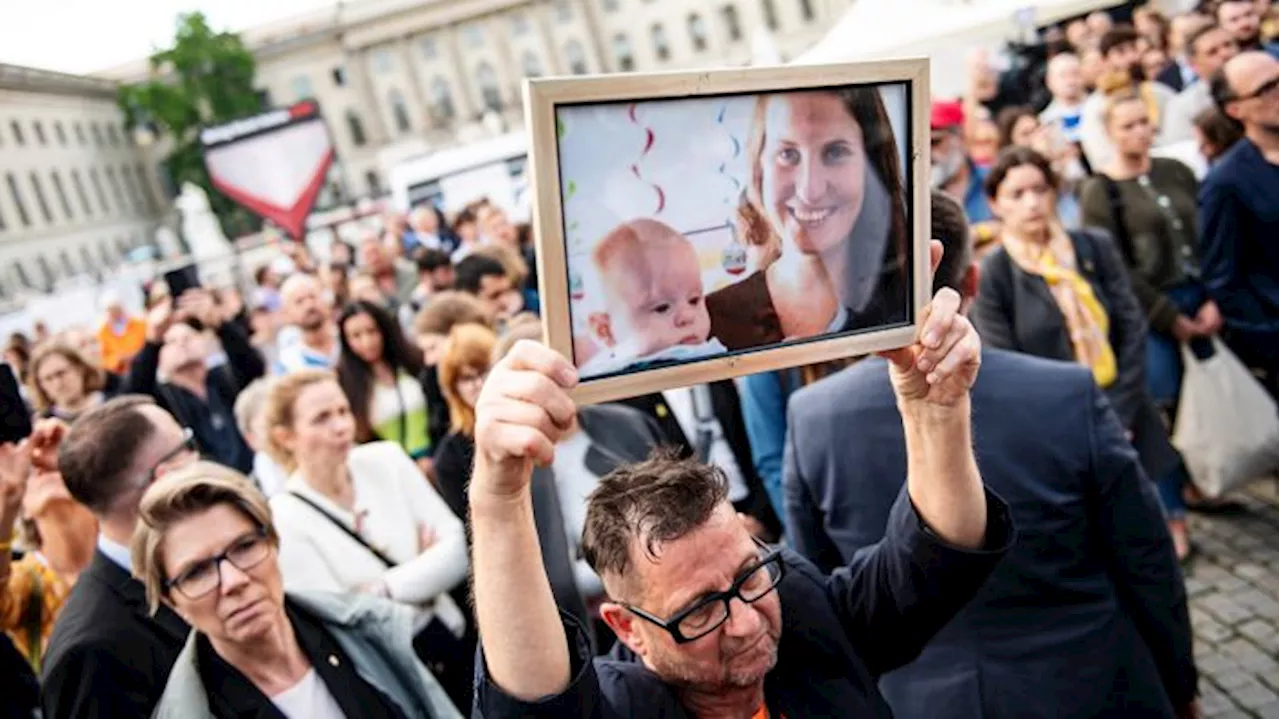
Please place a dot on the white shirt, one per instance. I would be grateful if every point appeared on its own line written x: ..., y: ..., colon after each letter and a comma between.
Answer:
x: 308, y: 699
x: 573, y: 483
x: 116, y: 552
x: 721, y: 455
x: 270, y: 475
x: 393, y: 502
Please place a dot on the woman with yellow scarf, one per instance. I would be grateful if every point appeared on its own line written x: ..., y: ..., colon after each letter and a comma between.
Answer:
x: 1066, y: 296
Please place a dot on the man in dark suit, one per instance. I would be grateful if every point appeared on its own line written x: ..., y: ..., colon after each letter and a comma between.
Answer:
x: 1087, y: 615
x: 108, y: 657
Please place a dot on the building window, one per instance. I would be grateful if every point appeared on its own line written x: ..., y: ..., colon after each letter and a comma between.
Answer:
x: 105, y: 253
x: 47, y: 270
x: 17, y: 132
x: 112, y: 136
x: 729, y: 14
x: 623, y: 60
x: 301, y: 87
x: 487, y: 81
x: 806, y: 10
x: 530, y: 63
x: 264, y: 99
x: 131, y: 189
x: 609, y: 5
x: 39, y: 132
x: 145, y: 188
x: 116, y: 192
x: 97, y: 134
x: 97, y: 189
x: 62, y: 194
x: 40, y: 198
x: 80, y: 193
x: 86, y: 259
x: 382, y: 61
x: 16, y: 195
x: 770, y: 13
x: 356, y: 129
x: 697, y: 32
x: 428, y: 47
x: 564, y: 11
x: 60, y: 133
x: 576, y: 57
x: 441, y: 99
x: 519, y: 24
x: 661, y: 48
x: 472, y: 35
x: 339, y: 75
x: 67, y: 266
x: 80, y: 133
x: 399, y: 111
x: 375, y: 184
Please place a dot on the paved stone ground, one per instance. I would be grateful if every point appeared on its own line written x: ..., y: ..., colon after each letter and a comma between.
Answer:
x: 1232, y: 584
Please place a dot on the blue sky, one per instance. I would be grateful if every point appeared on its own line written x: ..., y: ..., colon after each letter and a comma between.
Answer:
x: 83, y: 36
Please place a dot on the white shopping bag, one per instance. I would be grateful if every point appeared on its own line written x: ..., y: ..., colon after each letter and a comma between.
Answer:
x: 1226, y: 427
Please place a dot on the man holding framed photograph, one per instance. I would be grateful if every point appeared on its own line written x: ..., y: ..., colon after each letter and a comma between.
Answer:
x: 722, y: 625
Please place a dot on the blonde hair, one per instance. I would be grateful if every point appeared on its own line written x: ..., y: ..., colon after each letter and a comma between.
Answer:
x: 93, y: 379
x: 279, y: 409
x: 179, y: 495
x: 470, y: 346
x: 1120, y: 96
x: 447, y: 309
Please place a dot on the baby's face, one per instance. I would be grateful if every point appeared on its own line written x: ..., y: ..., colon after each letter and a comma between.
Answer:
x: 656, y: 301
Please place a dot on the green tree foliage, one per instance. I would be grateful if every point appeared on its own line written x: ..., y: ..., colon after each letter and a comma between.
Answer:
x: 206, y: 78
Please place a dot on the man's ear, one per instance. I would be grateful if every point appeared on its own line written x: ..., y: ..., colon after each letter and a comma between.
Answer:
x: 623, y: 624
x: 601, y: 328
x: 969, y: 285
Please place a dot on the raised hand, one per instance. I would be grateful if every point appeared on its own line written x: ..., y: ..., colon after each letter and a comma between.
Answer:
x: 199, y: 303
x: 159, y: 318
x: 942, y: 365
x: 15, y: 468
x: 45, y: 439
x: 522, y: 412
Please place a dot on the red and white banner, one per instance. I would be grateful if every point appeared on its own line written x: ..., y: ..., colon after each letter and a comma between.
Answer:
x: 273, y: 164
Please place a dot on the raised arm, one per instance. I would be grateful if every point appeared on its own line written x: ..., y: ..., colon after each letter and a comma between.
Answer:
x: 522, y: 411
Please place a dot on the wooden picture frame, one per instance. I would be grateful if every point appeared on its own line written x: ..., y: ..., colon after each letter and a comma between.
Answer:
x: 550, y: 102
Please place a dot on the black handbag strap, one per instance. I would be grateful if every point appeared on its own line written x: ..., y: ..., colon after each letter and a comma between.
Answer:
x: 343, y: 526
x: 1116, y: 204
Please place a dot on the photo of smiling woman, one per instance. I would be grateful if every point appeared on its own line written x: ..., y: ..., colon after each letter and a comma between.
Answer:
x: 824, y: 216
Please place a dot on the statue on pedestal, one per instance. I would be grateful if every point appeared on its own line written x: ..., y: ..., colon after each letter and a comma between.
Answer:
x: 200, y: 227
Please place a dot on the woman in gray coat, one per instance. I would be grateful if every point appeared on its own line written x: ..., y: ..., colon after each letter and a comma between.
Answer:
x: 1067, y: 296
x: 205, y: 545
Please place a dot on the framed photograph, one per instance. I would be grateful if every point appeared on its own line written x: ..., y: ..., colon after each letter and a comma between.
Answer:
x: 711, y: 224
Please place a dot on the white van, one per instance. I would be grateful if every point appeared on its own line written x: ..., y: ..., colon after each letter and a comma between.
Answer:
x: 450, y: 178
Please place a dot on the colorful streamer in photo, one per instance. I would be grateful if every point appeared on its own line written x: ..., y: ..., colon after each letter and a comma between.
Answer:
x: 735, y: 152
x: 649, y: 140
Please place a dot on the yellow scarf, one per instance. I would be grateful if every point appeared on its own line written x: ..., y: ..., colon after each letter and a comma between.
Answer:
x: 1086, y: 319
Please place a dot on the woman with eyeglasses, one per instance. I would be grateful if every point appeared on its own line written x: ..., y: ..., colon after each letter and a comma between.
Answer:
x: 464, y: 363
x: 206, y: 546
x: 1067, y: 296
x: 363, y: 519
x: 64, y: 383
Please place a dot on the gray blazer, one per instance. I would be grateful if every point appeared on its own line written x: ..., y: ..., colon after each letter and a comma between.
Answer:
x: 375, y: 633
x: 1015, y: 311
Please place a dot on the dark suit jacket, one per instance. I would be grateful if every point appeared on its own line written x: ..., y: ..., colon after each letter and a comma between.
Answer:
x: 1085, y: 617
x: 1171, y: 77
x: 108, y: 657
x: 1015, y: 311
x: 839, y: 632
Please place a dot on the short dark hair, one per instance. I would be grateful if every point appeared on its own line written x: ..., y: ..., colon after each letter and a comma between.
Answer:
x: 949, y: 226
x: 661, y: 499
x: 472, y: 270
x: 1199, y: 31
x: 1012, y: 157
x: 1220, y: 89
x: 448, y: 309
x: 431, y: 259
x: 99, y: 453
x: 1117, y: 36
x: 1220, y: 131
x: 466, y: 216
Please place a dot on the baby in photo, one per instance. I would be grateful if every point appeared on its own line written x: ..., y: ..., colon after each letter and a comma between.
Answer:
x: 651, y: 307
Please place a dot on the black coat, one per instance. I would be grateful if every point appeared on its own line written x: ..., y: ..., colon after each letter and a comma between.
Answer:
x: 108, y: 657
x: 1015, y: 311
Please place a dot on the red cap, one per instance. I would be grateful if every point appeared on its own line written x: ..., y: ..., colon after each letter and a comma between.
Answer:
x: 946, y: 114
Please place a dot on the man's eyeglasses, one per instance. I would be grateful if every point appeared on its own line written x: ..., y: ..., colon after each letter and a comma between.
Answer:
x: 188, y: 445
x: 699, y: 620
x: 205, y: 576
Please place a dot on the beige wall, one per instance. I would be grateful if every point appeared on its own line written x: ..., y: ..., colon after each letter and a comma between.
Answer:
x: 409, y: 50
x: 75, y: 219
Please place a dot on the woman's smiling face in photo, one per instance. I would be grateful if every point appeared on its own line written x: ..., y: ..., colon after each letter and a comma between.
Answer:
x: 814, y: 170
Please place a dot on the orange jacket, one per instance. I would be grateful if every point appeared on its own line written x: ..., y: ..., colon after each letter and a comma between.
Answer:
x: 117, y: 350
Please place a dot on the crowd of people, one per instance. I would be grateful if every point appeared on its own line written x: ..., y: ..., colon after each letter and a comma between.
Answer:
x: 358, y: 486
